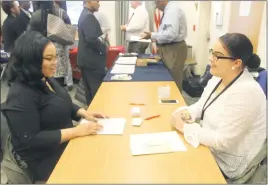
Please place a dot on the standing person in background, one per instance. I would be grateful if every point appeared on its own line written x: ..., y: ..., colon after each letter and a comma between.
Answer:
x: 12, y: 28
x: 62, y: 4
x: 91, y: 49
x: 25, y: 14
x: 38, y: 23
x: 105, y: 26
x: 68, y: 80
x: 138, y: 23
x: 170, y: 38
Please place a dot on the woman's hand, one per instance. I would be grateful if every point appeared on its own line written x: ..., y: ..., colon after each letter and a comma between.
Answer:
x: 177, y: 122
x: 180, y: 117
x: 88, y: 128
x: 90, y: 116
x: 94, y: 116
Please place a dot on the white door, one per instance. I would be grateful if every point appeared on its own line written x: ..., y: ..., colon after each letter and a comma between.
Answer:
x: 202, y: 36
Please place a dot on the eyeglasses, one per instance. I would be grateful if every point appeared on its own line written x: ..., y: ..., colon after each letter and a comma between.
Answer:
x: 50, y: 58
x: 215, y: 56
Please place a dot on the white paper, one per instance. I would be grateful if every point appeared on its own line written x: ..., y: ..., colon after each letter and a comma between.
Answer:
x: 125, y: 77
x: 163, y: 142
x: 126, y: 60
x: 138, y: 39
x: 244, y: 8
x: 111, y: 126
x: 123, y: 69
x: 136, y: 121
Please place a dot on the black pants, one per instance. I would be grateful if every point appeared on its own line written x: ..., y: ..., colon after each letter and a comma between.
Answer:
x: 42, y: 169
x: 92, y: 79
x: 137, y: 47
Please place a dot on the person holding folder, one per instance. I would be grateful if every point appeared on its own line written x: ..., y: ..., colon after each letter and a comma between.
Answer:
x: 137, y: 24
x: 170, y: 38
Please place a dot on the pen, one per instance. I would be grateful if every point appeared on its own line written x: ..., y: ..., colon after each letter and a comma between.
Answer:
x: 152, y: 117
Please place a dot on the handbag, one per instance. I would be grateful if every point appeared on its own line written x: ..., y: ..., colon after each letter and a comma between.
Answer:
x: 58, y: 31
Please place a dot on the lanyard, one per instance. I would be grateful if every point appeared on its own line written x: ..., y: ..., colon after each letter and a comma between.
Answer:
x: 130, y: 19
x: 162, y: 18
x: 229, y: 85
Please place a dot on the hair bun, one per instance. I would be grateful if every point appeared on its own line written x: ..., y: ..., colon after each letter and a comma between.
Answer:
x: 253, y: 61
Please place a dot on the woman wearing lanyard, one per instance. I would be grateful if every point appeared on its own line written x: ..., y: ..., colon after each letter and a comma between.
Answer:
x: 232, y: 108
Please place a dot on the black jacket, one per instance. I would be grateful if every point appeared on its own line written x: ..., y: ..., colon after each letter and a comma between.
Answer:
x: 24, y: 19
x: 91, y: 50
x: 12, y: 29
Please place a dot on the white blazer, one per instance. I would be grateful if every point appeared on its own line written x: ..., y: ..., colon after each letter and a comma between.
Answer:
x: 234, y: 126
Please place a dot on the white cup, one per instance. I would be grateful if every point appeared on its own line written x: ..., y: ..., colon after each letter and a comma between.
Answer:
x: 163, y: 92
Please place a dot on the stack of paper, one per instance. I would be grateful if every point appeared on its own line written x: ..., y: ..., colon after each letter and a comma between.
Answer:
x: 126, y: 60
x: 111, y: 126
x: 123, y: 69
x: 138, y: 39
x: 164, y: 142
x: 121, y: 77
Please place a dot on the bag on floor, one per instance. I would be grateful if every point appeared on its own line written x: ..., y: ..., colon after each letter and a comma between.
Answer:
x: 194, y: 86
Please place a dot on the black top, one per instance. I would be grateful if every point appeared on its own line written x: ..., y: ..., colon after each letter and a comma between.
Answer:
x: 91, y: 50
x: 35, y: 119
x: 24, y: 19
x: 12, y: 29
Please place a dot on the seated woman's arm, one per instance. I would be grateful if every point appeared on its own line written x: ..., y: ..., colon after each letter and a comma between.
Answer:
x: 24, y: 122
x: 239, y: 113
x: 75, y: 112
x: 196, y: 109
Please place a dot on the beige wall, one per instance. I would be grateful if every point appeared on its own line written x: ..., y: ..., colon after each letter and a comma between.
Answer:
x: 248, y: 25
x: 261, y: 51
x: 253, y: 26
x: 202, y: 36
x: 215, y: 30
x: 207, y: 28
x: 3, y: 16
x: 108, y: 9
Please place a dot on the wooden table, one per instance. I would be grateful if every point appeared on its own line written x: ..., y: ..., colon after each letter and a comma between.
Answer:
x: 108, y: 159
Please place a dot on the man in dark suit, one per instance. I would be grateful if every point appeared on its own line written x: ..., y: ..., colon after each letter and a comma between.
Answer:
x: 12, y: 28
x: 25, y: 14
x: 91, y: 49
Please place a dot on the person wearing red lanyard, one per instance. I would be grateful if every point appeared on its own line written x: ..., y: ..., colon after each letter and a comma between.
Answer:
x: 232, y: 108
x: 137, y: 23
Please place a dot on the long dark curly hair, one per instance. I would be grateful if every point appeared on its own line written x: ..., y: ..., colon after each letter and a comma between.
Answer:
x: 25, y: 63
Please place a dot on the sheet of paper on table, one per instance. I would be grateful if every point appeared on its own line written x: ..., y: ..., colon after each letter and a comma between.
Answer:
x: 123, y: 69
x: 120, y: 77
x: 126, y: 60
x: 111, y: 126
x: 138, y: 39
x: 163, y: 142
